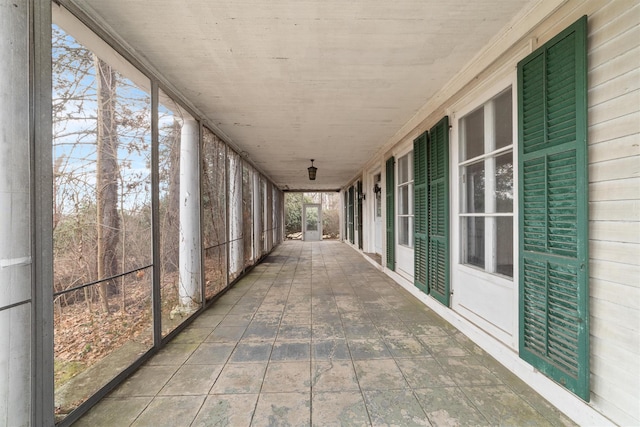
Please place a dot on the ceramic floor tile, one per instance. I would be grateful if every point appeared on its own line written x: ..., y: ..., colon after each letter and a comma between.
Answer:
x: 236, y: 320
x: 323, y: 331
x: 368, y: 349
x: 424, y: 372
x: 273, y: 305
x: 501, y: 406
x: 448, y: 406
x: 326, y: 314
x: 443, y: 346
x: 146, y: 381
x: 211, y: 354
x: 469, y: 345
x: 208, y: 319
x: 295, y: 332
x: 249, y: 351
x: 220, y: 308
x: 114, y: 411
x: 192, y: 335
x: 360, y: 330
x: 354, y: 314
x: 379, y: 374
x: 267, y: 318
x: 226, y: 410
x: 285, y: 377
x: 240, y: 378
x: 335, y: 375
x: 296, y: 319
x: 388, y: 329
x: 291, y: 350
x: 405, y: 347
x: 394, y: 408
x: 338, y: 409
x: 426, y: 328
x: 170, y: 411
x: 468, y: 371
x: 261, y: 331
x: 192, y: 379
x: 410, y: 313
x: 283, y: 409
x: 243, y: 309
x: 330, y: 349
x: 173, y: 354
x: 226, y: 334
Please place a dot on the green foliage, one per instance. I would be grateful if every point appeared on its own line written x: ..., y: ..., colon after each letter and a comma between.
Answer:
x: 293, y: 211
x: 331, y: 223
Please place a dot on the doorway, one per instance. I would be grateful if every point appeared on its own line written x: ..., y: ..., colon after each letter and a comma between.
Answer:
x: 377, y: 208
x: 312, y: 222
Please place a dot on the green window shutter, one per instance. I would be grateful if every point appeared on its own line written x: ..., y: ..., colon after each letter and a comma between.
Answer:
x: 438, y: 211
x: 420, y: 211
x: 359, y: 189
x: 351, y: 228
x: 552, y: 176
x: 391, y: 214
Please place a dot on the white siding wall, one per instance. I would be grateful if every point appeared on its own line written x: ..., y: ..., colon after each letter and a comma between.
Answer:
x: 614, y: 182
x: 614, y: 209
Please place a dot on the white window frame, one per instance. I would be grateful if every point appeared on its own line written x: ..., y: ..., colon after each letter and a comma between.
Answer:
x: 488, y: 157
x: 399, y: 187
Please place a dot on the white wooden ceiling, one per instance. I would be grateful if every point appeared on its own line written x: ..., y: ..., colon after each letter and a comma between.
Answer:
x: 291, y: 80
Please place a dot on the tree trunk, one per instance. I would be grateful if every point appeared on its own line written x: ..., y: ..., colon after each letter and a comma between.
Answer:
x: 107, y: 181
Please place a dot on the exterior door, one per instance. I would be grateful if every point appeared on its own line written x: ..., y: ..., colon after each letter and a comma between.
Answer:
x: 378, y: 215
x: 312, y: 222
x: 404, y: 216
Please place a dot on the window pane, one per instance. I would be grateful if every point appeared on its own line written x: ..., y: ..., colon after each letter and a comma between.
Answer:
x: 503, y: 120
x: 475, y: 241
x: 403, y: 200
x: 504, y: 183
x: 473, y: 134
x: 404, y: 168
x: 101, y: 219
x: 403, y: 231
x: 475, y: 187
x: 312, y: 218
x: 504, y: 246
x: 247, y: 213
x: 214, y: 206
x: 174, y: 132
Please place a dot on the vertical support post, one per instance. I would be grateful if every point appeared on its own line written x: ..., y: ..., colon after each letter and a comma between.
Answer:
x: 201, y: 178
x: 235, y: 215
x: 190, y: 272
x: 155, y: 216
x: 15, y: 215
x: 42, y: 356
x: 26, y: 267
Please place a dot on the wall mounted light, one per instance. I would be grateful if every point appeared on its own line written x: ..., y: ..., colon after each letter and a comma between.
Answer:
x: 312, y: 171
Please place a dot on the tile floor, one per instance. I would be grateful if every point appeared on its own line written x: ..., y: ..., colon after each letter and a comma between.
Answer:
x: 316, y: 335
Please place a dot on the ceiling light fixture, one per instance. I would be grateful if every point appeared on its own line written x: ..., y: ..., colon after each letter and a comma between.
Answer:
x: 312, y: 171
